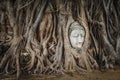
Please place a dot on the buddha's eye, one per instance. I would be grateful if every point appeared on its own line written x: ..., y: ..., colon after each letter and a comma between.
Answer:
x: 82, y: 35
x: 75, y: 35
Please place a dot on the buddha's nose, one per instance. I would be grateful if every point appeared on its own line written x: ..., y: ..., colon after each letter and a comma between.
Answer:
x: 79, y: 42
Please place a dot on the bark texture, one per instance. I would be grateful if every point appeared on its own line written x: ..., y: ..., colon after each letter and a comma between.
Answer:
x: 34, y: 36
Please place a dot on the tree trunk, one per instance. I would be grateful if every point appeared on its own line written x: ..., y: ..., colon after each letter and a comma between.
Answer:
x: 52, y: 36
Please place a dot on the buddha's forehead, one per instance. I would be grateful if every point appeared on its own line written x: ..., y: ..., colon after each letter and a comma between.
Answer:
x: 75, y: 26
x: 76, y: 31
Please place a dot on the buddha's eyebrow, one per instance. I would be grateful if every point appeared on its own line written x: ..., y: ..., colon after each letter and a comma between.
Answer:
x: 75, y: 35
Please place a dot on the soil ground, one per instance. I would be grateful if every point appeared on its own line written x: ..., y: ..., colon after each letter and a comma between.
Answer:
x: 96, y: 75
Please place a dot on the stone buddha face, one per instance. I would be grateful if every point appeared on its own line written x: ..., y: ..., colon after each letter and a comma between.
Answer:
x: 76, y: 35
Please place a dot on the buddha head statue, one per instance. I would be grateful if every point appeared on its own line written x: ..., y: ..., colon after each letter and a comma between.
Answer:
x: 76, y: 35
